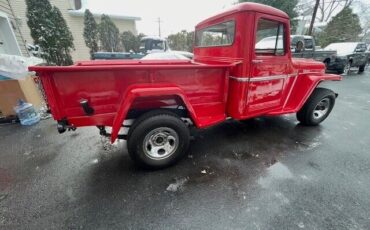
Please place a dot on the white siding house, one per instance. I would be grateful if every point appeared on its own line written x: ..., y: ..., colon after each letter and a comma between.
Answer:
x: 11, y: 39
x: 73, y: 12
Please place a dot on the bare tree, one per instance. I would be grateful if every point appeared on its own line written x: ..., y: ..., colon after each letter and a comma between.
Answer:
x: 328, y: 7
x: 364, y: 14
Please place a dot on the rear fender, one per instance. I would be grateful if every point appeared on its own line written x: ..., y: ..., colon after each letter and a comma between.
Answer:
x: 137, y: 91
x: 302, y: 89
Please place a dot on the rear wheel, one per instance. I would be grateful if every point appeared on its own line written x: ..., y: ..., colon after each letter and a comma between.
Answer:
x: 158, y: 139
x: 317, y: 108
x: 361, y: 69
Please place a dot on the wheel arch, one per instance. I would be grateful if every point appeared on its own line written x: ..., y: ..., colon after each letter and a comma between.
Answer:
x: 316, y: 81
x: 305, y: 85
x: 142, y: 92
x: 327, y: 60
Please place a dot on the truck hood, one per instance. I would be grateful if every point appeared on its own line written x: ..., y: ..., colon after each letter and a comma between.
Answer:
x: 308, y: 65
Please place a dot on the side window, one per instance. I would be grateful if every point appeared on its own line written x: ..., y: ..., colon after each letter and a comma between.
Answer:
x: 270, y: 38
x: 361, y: 47
x: 308, y: 43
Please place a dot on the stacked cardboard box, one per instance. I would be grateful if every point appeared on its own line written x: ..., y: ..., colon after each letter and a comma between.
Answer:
x: 13, y: 90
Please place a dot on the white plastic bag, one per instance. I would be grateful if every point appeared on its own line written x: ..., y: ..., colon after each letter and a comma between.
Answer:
x: 16, y: 67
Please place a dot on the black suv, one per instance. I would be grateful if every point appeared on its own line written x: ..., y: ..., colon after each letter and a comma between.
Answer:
x: 353, y: 53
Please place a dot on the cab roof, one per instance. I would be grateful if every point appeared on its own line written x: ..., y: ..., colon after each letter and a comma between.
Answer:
x: 247, y: 6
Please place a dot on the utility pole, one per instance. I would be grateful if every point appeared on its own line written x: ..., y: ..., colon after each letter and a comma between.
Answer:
x: 313, y: 17
x: 159, y: 26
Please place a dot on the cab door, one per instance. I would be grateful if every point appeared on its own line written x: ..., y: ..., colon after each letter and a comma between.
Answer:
x: 269, y: 64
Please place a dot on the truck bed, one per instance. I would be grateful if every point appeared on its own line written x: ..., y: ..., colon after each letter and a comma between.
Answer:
x: 105, y: 85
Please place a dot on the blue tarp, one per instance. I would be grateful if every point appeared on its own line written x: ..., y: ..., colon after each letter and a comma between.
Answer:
x: 2, y: 78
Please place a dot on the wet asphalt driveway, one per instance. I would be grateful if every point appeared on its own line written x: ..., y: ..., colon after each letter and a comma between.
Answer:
x: 267, y: 173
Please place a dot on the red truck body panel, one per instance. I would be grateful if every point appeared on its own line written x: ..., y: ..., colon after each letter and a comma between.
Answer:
x: 221, y: 81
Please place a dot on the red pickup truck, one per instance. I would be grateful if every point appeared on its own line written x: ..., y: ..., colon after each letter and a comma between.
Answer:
x: 231, y: 76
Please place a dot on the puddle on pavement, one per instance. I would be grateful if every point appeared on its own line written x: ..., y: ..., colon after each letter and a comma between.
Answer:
x: 278, y: 171
x: 205, y: 174
x: 244, y: 155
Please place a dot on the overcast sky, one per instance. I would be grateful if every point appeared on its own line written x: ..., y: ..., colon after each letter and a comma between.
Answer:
x: 175, y: 14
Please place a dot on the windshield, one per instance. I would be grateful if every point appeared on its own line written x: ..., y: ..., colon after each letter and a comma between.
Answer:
x: 343, y: 48
x: 151, y: 44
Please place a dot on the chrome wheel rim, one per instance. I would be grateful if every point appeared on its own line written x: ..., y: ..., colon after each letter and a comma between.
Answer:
x: 321, y: 108
x: 160, y: 143
x: 347, y: 68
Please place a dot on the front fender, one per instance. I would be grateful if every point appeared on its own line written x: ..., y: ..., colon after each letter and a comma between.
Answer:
x: 146, y: 90
x: 304, y: 85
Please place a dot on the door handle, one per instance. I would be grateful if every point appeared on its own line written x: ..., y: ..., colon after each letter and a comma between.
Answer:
x: 256, y: 61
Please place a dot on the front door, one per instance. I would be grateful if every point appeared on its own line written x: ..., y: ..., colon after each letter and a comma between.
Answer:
x: 269, y: 65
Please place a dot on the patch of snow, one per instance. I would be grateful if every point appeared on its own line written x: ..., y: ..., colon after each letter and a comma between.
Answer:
x: 283, y: 198
x: 106, y: 145
x: 343, y: 48
x: 304, y: 177
x: 275, y: 172
x: 27, y: 153
x: 177, y: 185
x: 300, y: 225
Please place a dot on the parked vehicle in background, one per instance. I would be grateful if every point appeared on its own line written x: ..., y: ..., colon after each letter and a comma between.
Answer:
x: 159, y: 45
x: 152, y: 103
x: 165, y: 56
x: 148, y: 45
x: 368, y: 55
x: 305, y: 47
x: 353, y: 53
x: 117, y: 55
x: 152, y: 44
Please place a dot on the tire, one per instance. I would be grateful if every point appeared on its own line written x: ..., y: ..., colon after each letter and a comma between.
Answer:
x: 340, y: 71
x: 361, y: 69
x: 317, y: 108
x: 347, y: 68
x: 158, y: 139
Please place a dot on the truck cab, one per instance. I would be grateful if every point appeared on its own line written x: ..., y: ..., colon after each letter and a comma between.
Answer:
x: 266, y: 75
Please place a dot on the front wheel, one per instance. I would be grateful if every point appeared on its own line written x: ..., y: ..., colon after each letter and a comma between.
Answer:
x: 347, y: 68
x: 158, y: 139
x: 317, y: 108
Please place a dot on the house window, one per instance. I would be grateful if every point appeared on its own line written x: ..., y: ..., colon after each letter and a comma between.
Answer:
x: 78, y: 4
